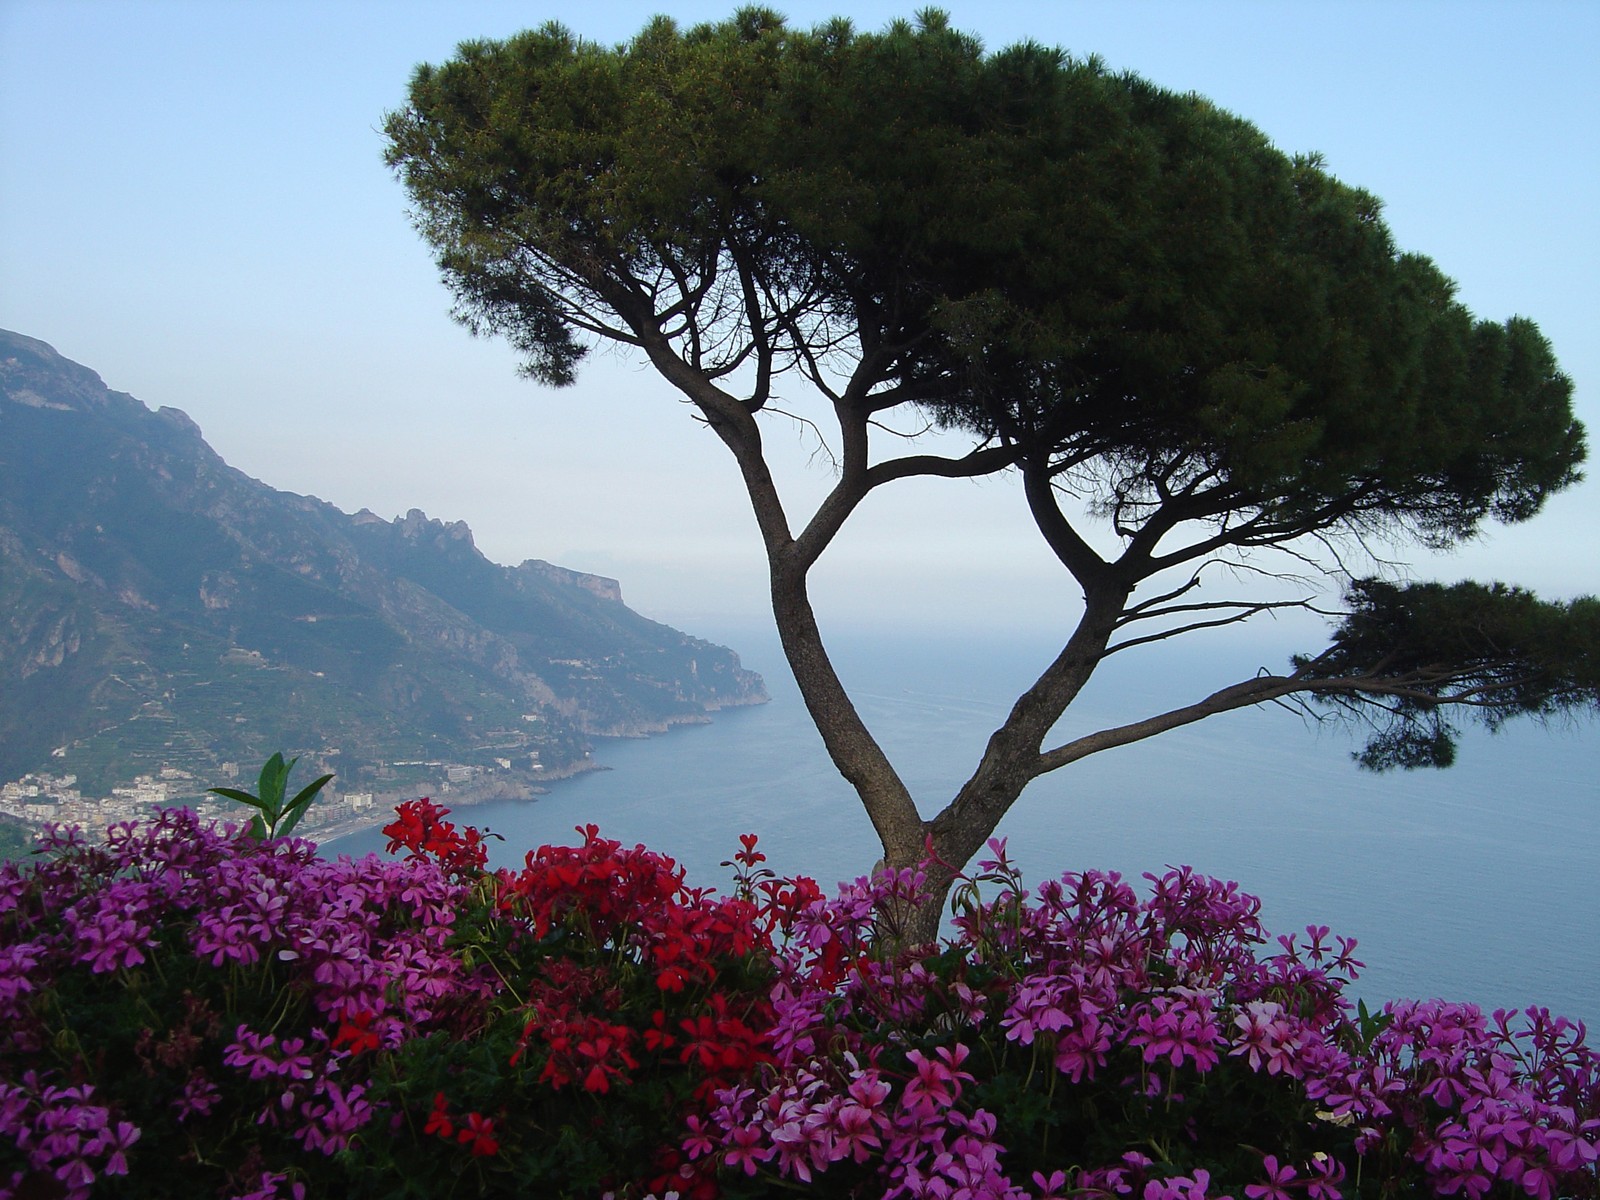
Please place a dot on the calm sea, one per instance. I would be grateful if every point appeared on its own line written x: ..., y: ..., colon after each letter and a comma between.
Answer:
x: 1481, y: 883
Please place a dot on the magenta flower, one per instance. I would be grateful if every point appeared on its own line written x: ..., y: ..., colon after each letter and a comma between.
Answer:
x: 1180, y: 1187
x: 700, y: 1138
x: 860, y: 1122
x: 744, y: 1148
x: 937, y: 1082
x: 1327, y: 1173
x: 265, y: 1057
x: 109, y: 940
x: 1279, y: 1179
x: 1266, y: 1037
x: 18, y: 961
x: 198, y: 1098
x: 116, y: 1142
x: 1037, y: 1006
x: 1177, y: 1027
x: 332, y: 1115
x: 1051, y: 1188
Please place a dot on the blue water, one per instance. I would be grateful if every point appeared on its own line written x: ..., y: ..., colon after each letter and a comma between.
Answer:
x: 1481, y: 883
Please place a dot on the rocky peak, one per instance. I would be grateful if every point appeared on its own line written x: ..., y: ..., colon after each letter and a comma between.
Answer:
x: 181, y: 419
x: 417, y: 525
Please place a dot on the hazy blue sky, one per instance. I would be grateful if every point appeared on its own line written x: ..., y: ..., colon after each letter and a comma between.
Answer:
x: 193, y: 202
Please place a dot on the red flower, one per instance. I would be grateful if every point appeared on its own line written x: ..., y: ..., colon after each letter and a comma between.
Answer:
x: 749, y: 856
x: 421, y: 829
x: 439, y: 1121
x: 477, y: 1131
x: 657, y: 1037
x: 357, y: 1034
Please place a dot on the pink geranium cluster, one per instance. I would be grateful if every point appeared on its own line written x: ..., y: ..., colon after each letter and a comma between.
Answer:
x: 229, y: 983
x: 1082, y: 1041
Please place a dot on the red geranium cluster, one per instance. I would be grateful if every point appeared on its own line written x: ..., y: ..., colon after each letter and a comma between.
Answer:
x: 627, y: 986
x: 421, y: 830
x: 476, y: 1131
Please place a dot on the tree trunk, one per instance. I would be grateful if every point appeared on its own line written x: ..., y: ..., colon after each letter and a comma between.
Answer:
x: 1010, y: 762
x: 849, y: 743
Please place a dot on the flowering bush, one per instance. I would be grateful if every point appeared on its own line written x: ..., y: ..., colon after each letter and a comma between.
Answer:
x: 273, y: 1024
x: 184, y: 994
x: 1082, y: 1042
x: 627, y: 1002
x: 286, y: 1026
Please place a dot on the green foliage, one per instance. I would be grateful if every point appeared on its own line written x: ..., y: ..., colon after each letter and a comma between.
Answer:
x: 16, y: 842
x: 1124, y: 283
x: 276, y: 817
x: 1492, y: 651
x: 1130, y: 297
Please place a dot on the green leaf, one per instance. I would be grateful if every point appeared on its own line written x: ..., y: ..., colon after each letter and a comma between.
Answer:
x: 309, y: 792
x: 236, y: 794
x: 298, y: 807
x: 276, y: 819
x: 274, y: 779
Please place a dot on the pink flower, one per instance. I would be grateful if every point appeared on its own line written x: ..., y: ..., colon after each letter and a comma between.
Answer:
x: 1326, y: 1175
x: 744, y: 1148
x: 1180, y: 1187
x: 936, y: 1084
x: 1266, y: 1038
x: 1177, y: 1027
x: 118, y: 1142
x: 1036, y: 1007
x: 198, y: 1098
x: 856, y: 1130
x: 1279, y: 1179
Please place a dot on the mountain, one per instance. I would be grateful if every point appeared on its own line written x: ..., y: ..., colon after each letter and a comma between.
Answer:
x: 161, y: 610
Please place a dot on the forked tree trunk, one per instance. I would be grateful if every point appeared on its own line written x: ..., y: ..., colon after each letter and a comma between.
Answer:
x: 943, y: 846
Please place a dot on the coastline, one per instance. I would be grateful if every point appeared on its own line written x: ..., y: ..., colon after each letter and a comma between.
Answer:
x: 452, y: 797
x: 342, y: 817
x: 456, y: 797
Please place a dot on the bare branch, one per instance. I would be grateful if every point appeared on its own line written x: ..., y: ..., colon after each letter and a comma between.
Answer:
x: 1087, y: 567
x: 912, y: 436
x: 1131, y: 613
x: 1248, y: 611
x: 986, y: 460
x: 823, y: 449
x: 1420, y: 686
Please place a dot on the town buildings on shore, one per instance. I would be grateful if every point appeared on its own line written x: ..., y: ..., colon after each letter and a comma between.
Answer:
x: 42, y: 799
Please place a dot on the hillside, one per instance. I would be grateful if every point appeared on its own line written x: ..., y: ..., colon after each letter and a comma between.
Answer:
x: 159, y: 608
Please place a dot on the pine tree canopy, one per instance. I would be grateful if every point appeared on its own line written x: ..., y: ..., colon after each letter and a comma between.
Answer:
x: 1167, y: 328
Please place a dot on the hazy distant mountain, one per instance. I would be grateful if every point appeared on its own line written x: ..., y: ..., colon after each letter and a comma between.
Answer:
x: 158, y: 607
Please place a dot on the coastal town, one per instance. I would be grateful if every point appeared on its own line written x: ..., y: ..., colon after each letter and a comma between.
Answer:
x: 41, y: 799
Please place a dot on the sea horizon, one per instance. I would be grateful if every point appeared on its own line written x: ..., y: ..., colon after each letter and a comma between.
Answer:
x: 1473, y: 884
